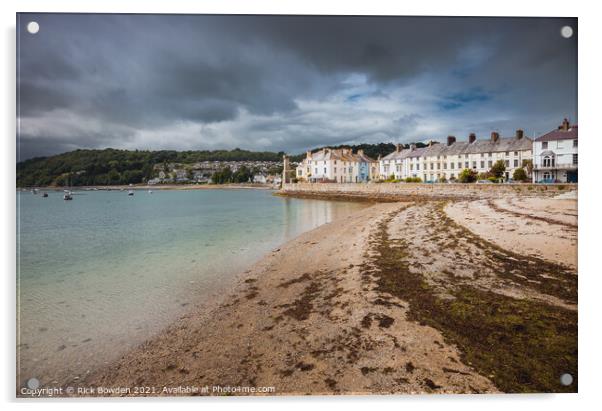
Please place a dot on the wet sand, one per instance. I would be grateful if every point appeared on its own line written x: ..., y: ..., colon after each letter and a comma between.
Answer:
x: 396, y: 298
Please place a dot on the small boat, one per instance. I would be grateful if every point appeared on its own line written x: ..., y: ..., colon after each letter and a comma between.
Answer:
x: 130, y: 192
x: 150, y: 191
x: 68, y: 195
x: 45, y: 195
x: 34, y: 191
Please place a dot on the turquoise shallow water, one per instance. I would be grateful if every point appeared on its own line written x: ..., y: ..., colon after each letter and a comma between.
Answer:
x: 99, y: 274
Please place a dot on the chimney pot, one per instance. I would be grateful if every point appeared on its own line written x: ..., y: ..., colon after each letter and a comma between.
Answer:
x: 451, y: 140
x: 495, y: 136
x: 412, y: 147
x: 398, y: 147
x: 472, y: 137
x: 565, y: 124
x: 519, y: 134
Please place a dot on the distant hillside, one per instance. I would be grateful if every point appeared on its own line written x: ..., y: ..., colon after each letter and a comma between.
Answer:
x: 110, y: 166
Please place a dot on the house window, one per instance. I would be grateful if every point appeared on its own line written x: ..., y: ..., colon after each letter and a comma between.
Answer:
x: 575, y: 158
x: 507, y: 153
x: 490, y: 164
x: 451, y: 165
x: 516, y: 153
x: 474, y: 164
x: 411, y: 166
x: 482, y: 154
x: 438, y: 166
x: 316, y: 171
x: 548, y: 161
x: 465, y: 155
x: 544, y: 145
x: 482, y: 164
x: 489, y: 155
x: 507, y: 163
x: 418, y: 166
x: 515, y: 163
x: 574, y: 143
x: 432, y: 166
x: 546, y: 176
x: 335, y: 169
x: 466, y: 164
x: 459, y: 166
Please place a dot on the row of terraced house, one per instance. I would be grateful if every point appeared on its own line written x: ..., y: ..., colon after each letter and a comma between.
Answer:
x: 551, y: 157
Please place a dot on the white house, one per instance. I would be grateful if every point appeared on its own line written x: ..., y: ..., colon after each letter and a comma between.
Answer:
x: 337, y: 165
x: 555, y: 155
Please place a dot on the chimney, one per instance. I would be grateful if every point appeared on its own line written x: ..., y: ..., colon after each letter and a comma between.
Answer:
x: 412, y: 147
x: 451, y: 140
x: 398, y: 147
x: 472, y: 137
x: 360, y: 152
x: 308, y: 154
x: 519, y: 134
x: 565, y: 125
x: 495, y: 136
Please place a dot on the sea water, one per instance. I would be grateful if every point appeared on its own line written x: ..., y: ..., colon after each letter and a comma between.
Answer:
x: 101, y: 273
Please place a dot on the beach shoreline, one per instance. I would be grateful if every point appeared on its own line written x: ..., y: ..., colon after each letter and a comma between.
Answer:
x: 336, y: 324
x: 250, y: 186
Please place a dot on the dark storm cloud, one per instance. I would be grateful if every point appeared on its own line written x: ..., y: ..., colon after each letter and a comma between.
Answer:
x: 285, y: 82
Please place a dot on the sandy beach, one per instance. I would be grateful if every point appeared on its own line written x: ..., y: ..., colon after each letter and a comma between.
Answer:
x: 397, y: 298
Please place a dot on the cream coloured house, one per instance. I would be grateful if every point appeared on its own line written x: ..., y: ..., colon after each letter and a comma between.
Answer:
x: 337, y: 165
x: 438, y: 162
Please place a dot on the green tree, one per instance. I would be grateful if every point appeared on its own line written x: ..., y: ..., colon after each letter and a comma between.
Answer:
x: 114, y: 177
x: 498, y: 169
x: 242, y: 175
x: 528, y: 165
x: 467, y: 176
x: 519, y: 175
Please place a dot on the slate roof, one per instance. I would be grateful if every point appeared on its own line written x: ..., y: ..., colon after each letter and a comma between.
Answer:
x: 337, y: 154
x: 503, y: 144
x: 560, y: 134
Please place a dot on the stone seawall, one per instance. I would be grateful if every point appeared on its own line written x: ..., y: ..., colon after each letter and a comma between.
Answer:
x: 400, y: 191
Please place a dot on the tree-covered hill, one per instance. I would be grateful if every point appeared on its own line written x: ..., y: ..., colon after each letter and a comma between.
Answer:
x: 111, y: 166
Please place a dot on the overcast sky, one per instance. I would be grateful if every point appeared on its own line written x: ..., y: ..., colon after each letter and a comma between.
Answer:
x: 286, y: 83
